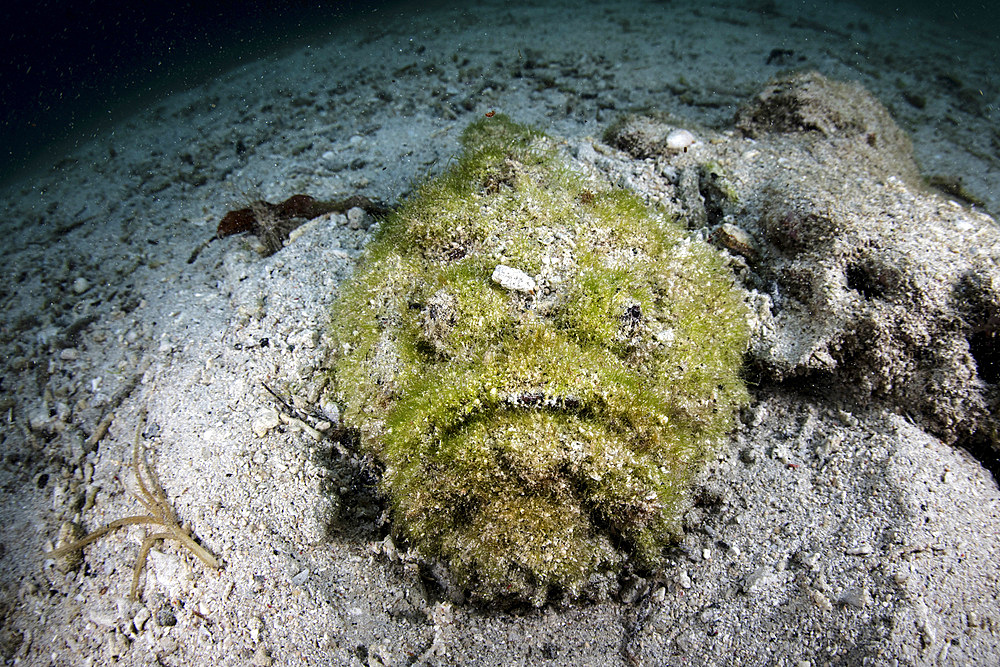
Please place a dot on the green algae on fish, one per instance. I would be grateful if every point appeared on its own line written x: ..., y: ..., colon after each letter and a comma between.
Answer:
x: 541, y: 363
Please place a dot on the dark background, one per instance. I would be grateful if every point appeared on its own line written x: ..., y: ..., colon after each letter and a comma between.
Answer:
x: 69, y: 68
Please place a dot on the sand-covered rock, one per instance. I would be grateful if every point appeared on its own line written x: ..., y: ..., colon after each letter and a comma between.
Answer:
x: 866, y: 280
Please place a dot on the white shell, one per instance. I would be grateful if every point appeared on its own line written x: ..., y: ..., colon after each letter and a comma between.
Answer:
x: 679, y: 140
x: 513, y: 279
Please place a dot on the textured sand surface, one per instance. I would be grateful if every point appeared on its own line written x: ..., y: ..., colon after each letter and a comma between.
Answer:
x: 828, y: 532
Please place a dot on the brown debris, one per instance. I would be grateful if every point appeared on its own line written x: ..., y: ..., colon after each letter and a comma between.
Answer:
x: 273, y: 222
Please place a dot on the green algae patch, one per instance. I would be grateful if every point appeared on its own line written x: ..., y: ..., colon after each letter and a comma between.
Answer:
x: 541, y: 363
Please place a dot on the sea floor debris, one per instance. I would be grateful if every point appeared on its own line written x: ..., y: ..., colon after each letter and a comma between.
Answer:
x: 152, y: 496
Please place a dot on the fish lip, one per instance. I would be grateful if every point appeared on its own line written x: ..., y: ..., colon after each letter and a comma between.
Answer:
x: 539, y: 399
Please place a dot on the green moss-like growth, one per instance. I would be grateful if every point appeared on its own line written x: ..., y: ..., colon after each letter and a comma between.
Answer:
x: 536, y: 438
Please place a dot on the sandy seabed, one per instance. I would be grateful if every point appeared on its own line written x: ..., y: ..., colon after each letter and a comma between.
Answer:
x: 114, y: 306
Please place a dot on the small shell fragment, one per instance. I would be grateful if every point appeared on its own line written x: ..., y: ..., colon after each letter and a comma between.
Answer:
x: 679, y: 140
x: 513, y: 279
x: 265, y: 420
x: 69, y: 533
x: 737, y: 240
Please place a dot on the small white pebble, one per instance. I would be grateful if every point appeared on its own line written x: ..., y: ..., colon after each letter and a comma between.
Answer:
x: 80, y: 285
x: 513, y: 279
x: 265, y: 420
x: 262, y: 657
x: 255, y: 626
x: 102, y: 620
x: 856, y: 597
x: 38, y: 419
x: 820, y: 600
x: 759, y: 577
x: 168, y: 646
x: 357, y: 218
x: 140, y: 619
x: 679, y: 140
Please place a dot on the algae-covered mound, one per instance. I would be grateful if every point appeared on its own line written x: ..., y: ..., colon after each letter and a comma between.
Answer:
x: 540, y: 362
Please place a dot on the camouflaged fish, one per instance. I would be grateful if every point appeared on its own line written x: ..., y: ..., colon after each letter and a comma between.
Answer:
x: 541, y: 363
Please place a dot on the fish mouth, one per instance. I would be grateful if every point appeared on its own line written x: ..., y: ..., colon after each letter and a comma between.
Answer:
x: 539, y: 399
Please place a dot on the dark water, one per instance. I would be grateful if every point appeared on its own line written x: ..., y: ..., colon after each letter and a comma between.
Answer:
x: 72, y: 67
x: 69, y: 67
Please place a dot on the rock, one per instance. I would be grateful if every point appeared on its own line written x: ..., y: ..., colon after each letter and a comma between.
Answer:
x: 301, y: 578
x: 140, y: 619
x: 357, y: 218
x: 836, y: 112
x: 859, y: 598
x: 820, y: 600
x: 262, y: 657
x: 39, y: 419
x: 265, y: 420
x: 864, y: 280
x: 678, y: 140
x: 80, y: 285
x: 513, y: 279
x: 103, y: 619
x: 762, y: 576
